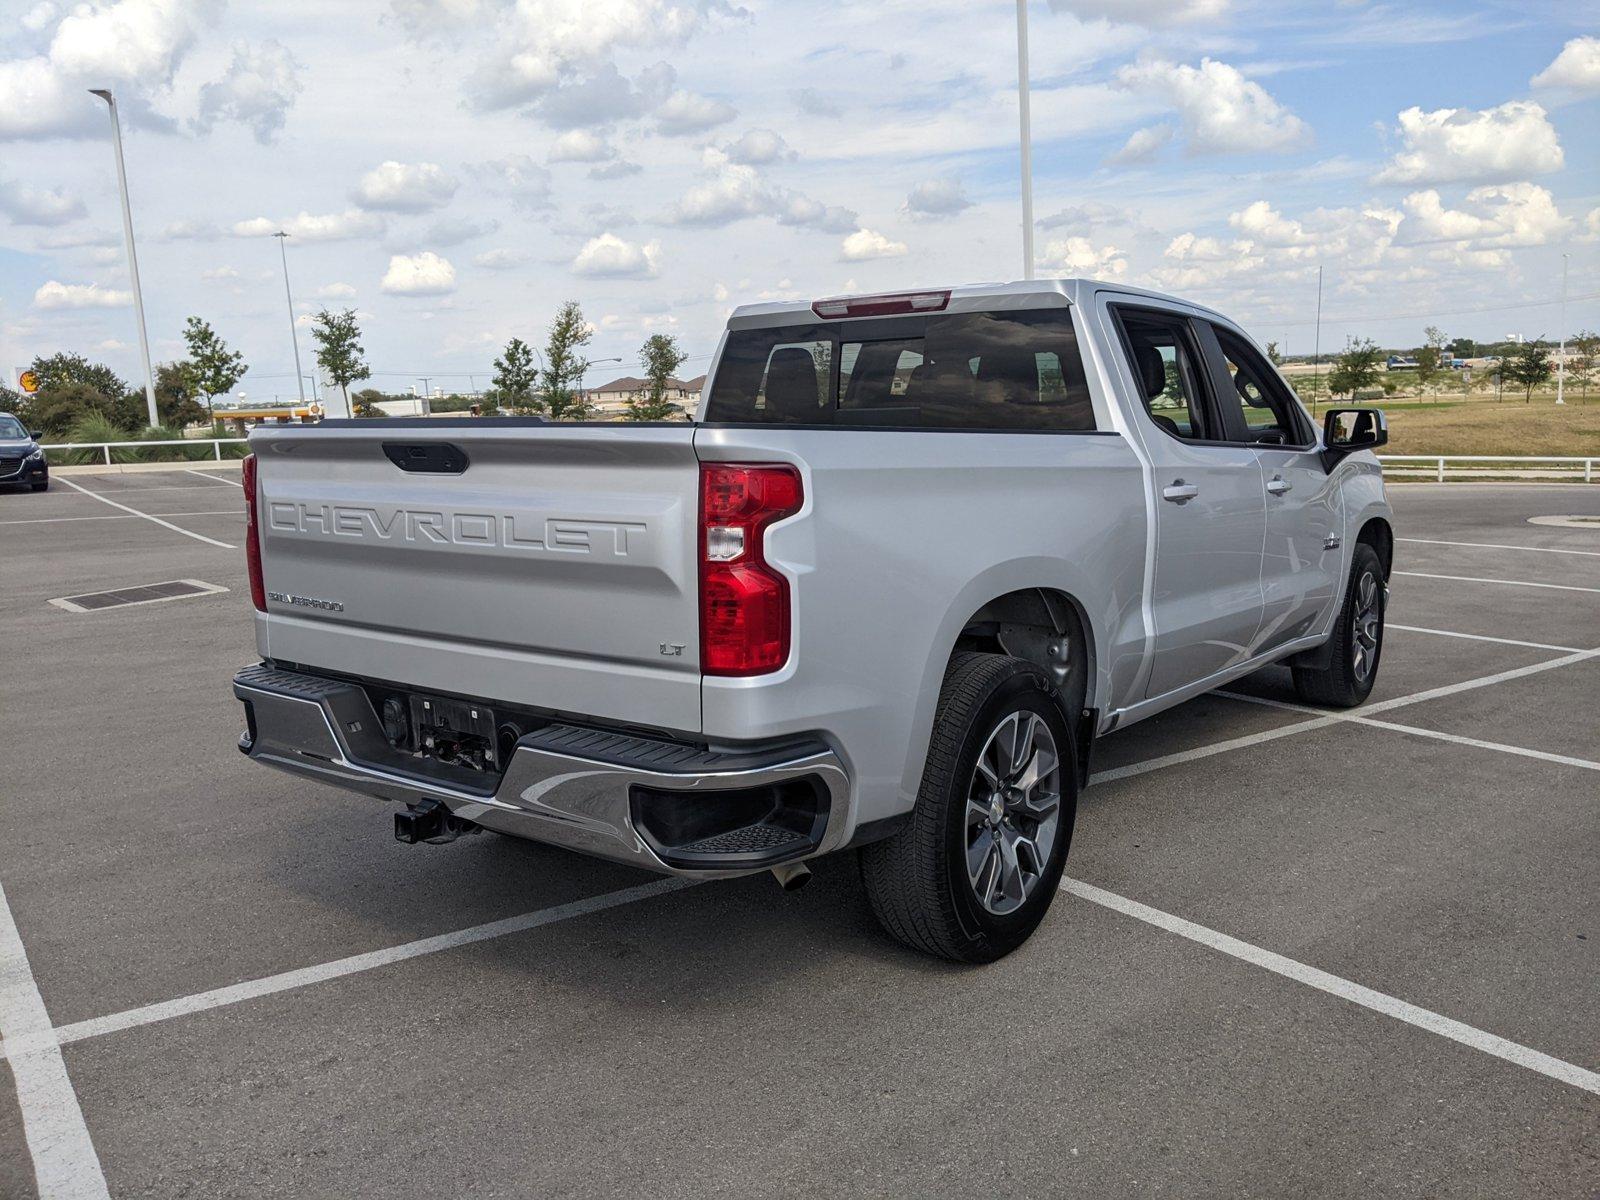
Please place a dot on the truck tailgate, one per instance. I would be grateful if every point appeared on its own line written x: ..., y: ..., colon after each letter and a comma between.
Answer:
x: 556, y: 570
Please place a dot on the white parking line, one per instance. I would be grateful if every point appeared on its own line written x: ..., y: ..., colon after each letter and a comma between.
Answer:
x: 1333, y: 985
x: 64, y: 1160
x: 1323, y: 721
x: 210, y: 512
x: 288, y: 980
x: 1559, y: 587
x: 1355, y: 718
x: 1478, y: 637
x: 1499, y: 546
x: 214, y: 478
x: 199, y: 537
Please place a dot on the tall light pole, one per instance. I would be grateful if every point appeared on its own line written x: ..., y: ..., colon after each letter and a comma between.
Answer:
x: 1027, y: 139
x: 133, y: 258
x: 1561, y: 363
x: 294, y: 334
x: 1316, y: 353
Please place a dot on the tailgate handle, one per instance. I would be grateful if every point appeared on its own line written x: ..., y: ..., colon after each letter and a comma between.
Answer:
x: 429, y: 458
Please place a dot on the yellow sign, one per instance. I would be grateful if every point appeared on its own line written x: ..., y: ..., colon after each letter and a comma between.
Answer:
x: 29, y: 382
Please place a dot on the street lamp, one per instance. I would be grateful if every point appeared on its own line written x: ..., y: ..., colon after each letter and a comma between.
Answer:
x: 294, y: 334
x: 1027, y: 139
x: 1561, y: 363
x: 133, y: 258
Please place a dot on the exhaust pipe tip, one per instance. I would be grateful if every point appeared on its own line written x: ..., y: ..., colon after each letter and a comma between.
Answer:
x: 792, y: 877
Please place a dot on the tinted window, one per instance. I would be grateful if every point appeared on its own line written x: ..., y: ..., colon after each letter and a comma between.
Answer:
x: 1166, y: 366
x: 962, y: 371
x: 1263, y: 403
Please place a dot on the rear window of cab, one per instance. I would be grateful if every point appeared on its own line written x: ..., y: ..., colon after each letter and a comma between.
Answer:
x: 976, y: 371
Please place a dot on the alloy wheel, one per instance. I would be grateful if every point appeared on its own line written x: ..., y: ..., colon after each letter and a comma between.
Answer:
x: 1013, y: 811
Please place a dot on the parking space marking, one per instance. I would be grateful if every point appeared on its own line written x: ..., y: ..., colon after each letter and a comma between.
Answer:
x: 214, y: 478
x: 251, y: 989
x: 1355, y: 718
x: 1327, y: 719
x: 1478, y: 637
x: 1498, y: 546
x: 65, y: 1163
x: 199, y: 537
x: 1334, y: 985
x: 210, y: 512
x: 1558, y: 587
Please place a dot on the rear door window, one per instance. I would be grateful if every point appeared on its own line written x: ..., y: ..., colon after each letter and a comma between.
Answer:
x: 976, y: 371
x: 1169, y: 370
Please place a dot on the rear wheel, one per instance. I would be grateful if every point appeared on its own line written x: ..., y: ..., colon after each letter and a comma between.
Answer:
x: 973, y: 873
x: 1357, y: 641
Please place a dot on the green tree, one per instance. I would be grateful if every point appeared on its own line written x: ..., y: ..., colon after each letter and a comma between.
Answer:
x: 1356, y: 369
x: 214, y: 369
x: 176, y: 406
x: 1273, y: 356
x: 1429, y: 355
x: 1528, y: 367
x: 338, y: 339
x: 660, y: 357
x: 64, y: 368
x: 564, y: 365
x: 515, y: 379
x: 1584, y: 349
x: 13, y: 402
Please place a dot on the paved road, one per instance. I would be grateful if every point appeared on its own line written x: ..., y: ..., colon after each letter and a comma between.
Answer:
x: 729, y: 1039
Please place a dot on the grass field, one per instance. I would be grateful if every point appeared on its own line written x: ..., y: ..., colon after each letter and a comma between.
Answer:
x: 1489, y: 428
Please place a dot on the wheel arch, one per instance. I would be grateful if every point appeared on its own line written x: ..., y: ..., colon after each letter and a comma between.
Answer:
x: 1378, y: 534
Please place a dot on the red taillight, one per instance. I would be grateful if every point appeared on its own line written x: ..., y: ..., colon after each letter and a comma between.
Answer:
x: 252, y: 535
x: 744, y: 603
x: 887, y: 304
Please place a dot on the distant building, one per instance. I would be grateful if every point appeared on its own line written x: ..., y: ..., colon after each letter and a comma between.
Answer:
x: 611, y: 399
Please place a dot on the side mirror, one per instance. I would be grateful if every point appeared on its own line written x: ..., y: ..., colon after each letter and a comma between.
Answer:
x: 1346, y: 430
x: 36, y: 434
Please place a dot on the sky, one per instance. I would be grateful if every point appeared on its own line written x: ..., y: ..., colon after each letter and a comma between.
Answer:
x: 455, y: 169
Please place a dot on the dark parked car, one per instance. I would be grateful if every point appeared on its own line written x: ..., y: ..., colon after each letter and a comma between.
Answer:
x: 21, y: 460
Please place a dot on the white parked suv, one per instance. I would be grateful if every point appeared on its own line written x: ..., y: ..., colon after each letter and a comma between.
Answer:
x: 914, y: 553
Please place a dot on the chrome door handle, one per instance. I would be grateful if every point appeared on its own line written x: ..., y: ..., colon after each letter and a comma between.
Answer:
x: 1278, y: 485
x: 1180, y: 492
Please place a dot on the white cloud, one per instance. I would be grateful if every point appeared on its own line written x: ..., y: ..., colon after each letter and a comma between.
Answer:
x: 499, y: 259
x: 1262, y: 222
x: 190, y: 229
x: 757, y: 147
x: 335, y: 291
x: 55, y: 294
x: 683, y: 113
x: 314, y: 227
x: 1515, y: 214
x: 869, y: 243
x: 219, y: 274
x: 815, y: 103
x: 619, y: 168
x: 1142, y: 145
x: 38, y: 206
x: 452, y: 231
x: 737, y: 192
x: 131, y: 46
x: 1156, y: 13
x: 405, y: 187
x: 1452, y: 145
x: 1079, y: 256
x: 609, y: 256
x: 40, y: 16
x: 1591, y: 226
x: 1220, y: 110
x: 527, y: 183
x: 1575, y: 69
x: 936, y: 198
x: 424, y: 274
x: 257, y: 90
x: 581, y: 146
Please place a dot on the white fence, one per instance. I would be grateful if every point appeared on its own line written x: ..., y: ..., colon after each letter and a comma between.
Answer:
x: 1440, y: 467
x: 105, y: 448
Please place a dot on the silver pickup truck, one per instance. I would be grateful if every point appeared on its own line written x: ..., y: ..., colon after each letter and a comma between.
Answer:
x: 914, y: 553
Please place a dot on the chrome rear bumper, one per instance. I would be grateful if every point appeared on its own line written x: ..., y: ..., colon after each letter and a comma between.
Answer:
x: 564, y: 785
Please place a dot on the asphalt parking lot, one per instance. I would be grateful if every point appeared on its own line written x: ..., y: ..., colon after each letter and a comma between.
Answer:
x: 1301, y: 955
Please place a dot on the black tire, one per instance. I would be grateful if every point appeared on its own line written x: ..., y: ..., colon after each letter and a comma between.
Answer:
x: 918, y: 881
x: 1356, y: 646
